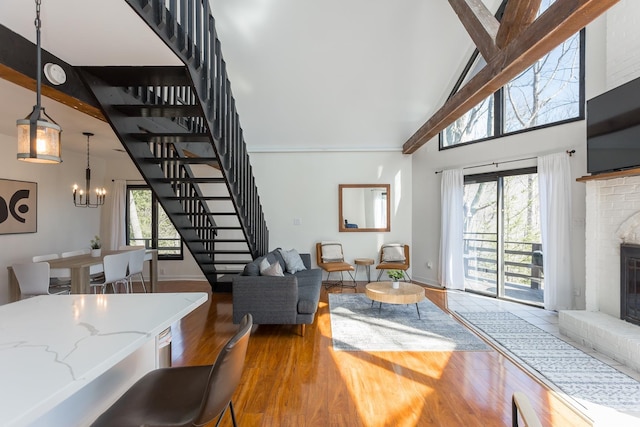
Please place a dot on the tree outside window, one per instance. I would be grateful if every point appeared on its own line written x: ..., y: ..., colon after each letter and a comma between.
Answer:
x: 148, y: 225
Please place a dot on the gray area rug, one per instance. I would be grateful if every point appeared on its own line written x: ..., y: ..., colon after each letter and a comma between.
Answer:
x: 356, y: 326
x: 574, y: 372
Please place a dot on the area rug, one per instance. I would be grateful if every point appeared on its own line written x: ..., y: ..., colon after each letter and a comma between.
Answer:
x: 357, y: 326
x: 575, y: 373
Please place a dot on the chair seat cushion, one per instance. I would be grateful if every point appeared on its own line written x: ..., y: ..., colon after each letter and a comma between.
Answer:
x: 392, y: 266
x: 163, y: 397
x: 336, y: 266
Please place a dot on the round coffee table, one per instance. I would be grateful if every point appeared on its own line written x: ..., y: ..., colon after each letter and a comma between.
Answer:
x: 406, y: 293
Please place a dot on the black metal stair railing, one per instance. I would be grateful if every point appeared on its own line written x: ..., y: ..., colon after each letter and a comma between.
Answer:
x: 188, y: 28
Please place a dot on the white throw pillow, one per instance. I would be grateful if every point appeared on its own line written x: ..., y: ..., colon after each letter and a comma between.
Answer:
x: 264, y: 264
x: 393, y: 253
x: 274, y: 270
x: 332, y: 252
x: 293, y: 261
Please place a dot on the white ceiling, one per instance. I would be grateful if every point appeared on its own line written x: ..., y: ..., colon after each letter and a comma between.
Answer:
x: 307, y: 75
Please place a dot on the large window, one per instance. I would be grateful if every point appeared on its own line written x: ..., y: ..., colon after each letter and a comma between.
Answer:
x: 502, y: 242
x: 548, y: 93
x: 149, y: 226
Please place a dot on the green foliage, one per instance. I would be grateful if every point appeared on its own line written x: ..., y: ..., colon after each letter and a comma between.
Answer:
x: 395, y: 275
x: 96, y: 243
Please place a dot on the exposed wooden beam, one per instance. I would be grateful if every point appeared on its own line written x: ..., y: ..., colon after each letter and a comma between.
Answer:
x: 559, y: 22
x: 480, y: 23
x: 18, y: 65
x: 517, y: 16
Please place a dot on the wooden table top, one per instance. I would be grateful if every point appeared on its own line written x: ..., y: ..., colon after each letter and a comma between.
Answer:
x: 363, y: 261
x: 406, y: 293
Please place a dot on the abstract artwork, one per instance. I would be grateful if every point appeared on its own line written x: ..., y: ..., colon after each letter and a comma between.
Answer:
x: 18, y: 207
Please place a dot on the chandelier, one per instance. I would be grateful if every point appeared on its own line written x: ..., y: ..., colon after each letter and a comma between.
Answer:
x: 82, y: 198
x: 38, y: 138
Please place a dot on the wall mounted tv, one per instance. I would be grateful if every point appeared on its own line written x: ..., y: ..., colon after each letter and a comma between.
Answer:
x: 613, y: 129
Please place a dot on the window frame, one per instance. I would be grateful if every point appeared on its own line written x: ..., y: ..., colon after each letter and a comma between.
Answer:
x: 155, y: 205
x: 499, y: 98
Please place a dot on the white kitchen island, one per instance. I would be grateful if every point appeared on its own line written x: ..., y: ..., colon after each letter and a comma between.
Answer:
x: 64, y: 359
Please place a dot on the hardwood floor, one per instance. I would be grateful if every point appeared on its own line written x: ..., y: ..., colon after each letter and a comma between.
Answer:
x: 293, y: 380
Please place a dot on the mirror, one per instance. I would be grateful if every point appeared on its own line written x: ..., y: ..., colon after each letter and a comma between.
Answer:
x: 364, y: 207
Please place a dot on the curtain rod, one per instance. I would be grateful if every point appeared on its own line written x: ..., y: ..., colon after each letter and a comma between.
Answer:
x: 569, y: 152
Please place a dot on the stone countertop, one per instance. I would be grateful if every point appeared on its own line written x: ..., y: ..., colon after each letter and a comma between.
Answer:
x: 52, y: 346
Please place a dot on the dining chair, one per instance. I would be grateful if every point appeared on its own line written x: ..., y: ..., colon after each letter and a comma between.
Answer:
x: 394, y: 256
x: 33, y: 279
x: 95, y: 271
x: 136, y: 265
x: 185, y: 395
x: 58, y: 276
x: 330, y: 258
x: 115, y: 272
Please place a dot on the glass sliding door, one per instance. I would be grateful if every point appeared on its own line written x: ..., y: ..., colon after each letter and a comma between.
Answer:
x: 502, y: 242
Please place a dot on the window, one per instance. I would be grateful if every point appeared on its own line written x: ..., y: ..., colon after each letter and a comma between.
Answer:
x: 149, y: 225
x: 548, y: 93
x: 502, y: 238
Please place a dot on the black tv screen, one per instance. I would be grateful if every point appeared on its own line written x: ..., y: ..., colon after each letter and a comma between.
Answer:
x: 613, y: 129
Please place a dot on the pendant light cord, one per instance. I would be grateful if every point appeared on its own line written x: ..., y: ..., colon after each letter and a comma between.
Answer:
x: 38, y: 24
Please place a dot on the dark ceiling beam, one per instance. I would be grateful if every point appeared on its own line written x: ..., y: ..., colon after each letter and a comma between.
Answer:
x: 480, y: 23
x: 560, y: 21
x: 517, y: 16
x: 18, y: 65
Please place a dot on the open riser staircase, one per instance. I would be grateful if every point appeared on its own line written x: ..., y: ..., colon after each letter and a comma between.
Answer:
x: 180, y: 126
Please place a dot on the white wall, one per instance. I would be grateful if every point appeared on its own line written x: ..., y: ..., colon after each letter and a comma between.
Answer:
x: 304, y: 186
x: 61, y: 226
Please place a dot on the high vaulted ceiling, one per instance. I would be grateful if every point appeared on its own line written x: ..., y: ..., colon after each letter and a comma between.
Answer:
x: 329, y: 75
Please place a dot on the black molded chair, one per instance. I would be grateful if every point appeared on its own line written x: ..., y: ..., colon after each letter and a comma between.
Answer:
x: 184, y: 396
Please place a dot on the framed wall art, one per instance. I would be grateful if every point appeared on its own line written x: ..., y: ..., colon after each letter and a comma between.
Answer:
x: 18, y: 207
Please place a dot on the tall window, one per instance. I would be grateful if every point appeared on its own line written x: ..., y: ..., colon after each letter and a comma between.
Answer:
x: 502, y: 243
x: 548, y: 93
x: 149, y: 225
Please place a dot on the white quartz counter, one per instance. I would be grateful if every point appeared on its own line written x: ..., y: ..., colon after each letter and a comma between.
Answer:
x: 51, y: 347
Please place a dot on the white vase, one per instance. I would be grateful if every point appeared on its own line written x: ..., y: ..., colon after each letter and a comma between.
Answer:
x: 96, y: 252
x: 395, y: 285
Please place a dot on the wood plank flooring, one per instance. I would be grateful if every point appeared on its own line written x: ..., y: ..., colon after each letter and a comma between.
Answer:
x: 294, y: 380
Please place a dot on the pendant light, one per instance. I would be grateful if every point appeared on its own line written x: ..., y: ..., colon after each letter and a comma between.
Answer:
x: 82, y: 198
x: 38, y: 135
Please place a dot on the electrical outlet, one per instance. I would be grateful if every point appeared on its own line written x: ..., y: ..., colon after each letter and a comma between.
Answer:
x: 297, y: 221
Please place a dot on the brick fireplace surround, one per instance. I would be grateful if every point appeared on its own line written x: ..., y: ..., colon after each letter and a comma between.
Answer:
x: 612, y: 218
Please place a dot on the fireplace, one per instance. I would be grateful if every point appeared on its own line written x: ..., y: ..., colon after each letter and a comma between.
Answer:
x: 630, y: 283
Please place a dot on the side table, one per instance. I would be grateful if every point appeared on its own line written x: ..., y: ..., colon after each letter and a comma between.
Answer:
x: 365, y: 263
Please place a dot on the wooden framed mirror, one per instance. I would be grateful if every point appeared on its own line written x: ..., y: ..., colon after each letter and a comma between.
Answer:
x: 364, y: 207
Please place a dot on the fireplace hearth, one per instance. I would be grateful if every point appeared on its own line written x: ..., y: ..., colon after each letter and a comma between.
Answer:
x: 630, y: 283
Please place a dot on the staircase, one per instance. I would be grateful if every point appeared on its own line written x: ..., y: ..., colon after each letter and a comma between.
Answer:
x: 180, y: 126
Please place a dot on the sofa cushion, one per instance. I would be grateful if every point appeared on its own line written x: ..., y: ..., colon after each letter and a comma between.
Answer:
x: 272, y: 270
x: 252, y: 268
x: 292, y: 261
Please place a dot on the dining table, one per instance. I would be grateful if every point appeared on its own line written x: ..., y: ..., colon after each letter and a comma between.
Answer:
x: 79, y: 266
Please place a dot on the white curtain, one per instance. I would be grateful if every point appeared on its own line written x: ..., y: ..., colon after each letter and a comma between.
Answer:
x: 118, y: 214
x: 451, y: 270
x: 554, y: 177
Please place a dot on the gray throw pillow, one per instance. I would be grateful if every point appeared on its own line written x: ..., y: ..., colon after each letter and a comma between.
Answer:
x: 293, y: 261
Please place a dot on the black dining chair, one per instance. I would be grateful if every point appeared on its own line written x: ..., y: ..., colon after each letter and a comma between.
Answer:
x: 187, y: 395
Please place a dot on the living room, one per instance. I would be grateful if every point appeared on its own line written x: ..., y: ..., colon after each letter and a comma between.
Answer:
x: 300, y: 195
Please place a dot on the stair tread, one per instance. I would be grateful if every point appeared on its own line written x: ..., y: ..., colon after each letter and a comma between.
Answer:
x: 167, y: 111
x: 124, y: 76
x: 172, y: 137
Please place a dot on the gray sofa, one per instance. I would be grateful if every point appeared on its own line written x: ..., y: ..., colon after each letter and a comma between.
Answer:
x: 292, y: 299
